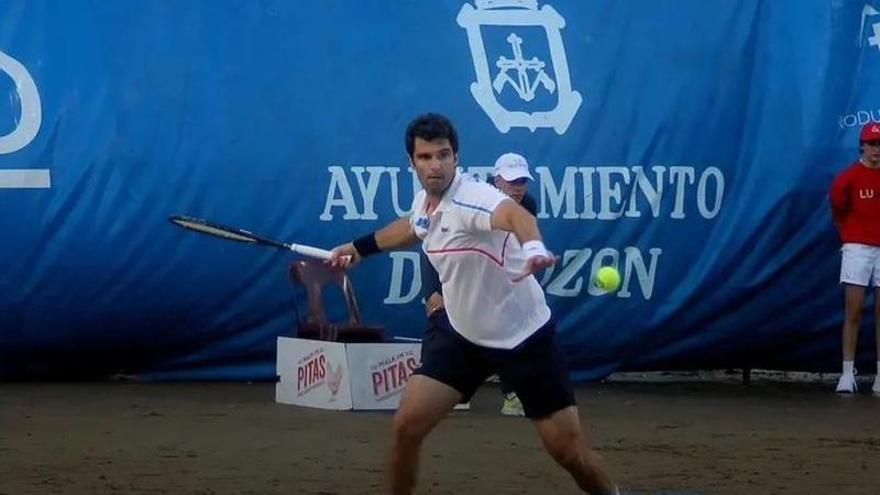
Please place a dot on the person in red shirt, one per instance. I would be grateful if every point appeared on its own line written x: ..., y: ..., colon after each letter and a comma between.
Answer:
x: 855, y: 208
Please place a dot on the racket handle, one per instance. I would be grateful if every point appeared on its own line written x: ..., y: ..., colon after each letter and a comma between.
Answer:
x: 310, y: 251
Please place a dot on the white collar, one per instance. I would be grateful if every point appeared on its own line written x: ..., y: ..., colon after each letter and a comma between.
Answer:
x: 446, y: 200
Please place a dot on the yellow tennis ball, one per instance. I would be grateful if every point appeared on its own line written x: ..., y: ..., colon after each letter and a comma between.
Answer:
x: 607, y: 278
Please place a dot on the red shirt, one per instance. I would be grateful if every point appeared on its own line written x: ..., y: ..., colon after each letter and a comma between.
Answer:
x: 855, y: 204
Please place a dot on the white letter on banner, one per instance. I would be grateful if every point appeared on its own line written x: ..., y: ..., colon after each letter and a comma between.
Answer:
x: 653, y: 191
x: 395, y: 192
x: 368, y: 189
x: 31, y: 108
x: 557, y: 196
x: 572, y: 261
x: 589, y: 211
x: 395, y: 289
x: 719, y: 192
x: 339, y: 182
x: 678, y: 176
x: 646, y: 276
x: 611, y: 191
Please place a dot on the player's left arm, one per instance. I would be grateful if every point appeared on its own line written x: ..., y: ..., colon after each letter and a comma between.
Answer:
x: 510, y: 216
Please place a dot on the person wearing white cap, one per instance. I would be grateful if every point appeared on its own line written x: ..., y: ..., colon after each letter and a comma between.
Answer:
x: 511, y: 175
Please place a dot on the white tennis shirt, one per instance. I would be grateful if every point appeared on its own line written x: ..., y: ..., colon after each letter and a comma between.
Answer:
x: 477, y: 266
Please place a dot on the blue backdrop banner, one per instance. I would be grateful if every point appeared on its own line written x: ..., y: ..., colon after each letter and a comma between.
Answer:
x: 689, y: 143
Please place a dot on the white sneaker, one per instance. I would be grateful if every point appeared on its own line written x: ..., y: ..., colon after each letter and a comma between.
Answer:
x: 512, y: 406
x: 847, y: 384
x: 876, y: 387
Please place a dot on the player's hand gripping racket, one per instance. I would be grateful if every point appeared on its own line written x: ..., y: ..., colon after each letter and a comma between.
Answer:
x: 241, y: 235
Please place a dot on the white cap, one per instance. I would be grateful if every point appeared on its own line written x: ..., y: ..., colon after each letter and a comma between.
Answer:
x: 511, y: 166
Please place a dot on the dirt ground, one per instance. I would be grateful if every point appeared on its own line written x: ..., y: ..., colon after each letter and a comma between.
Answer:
x: 683, y: 438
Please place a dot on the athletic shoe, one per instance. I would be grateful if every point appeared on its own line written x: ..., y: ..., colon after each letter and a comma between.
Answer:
x: 847, y: 384
x: 512, y: 406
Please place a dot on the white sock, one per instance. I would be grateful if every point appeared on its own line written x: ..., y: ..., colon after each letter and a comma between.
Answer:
x: 848, y: 367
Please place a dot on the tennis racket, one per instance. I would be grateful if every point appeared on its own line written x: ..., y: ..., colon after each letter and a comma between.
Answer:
x: 241, y: 235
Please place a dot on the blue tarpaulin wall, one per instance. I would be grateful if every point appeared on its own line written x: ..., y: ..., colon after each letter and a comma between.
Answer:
x: 690, y: 143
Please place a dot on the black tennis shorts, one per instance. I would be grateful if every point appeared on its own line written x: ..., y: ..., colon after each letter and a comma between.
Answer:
x: 535, y: 369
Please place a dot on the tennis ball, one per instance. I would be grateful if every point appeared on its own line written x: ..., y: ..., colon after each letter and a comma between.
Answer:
x: 607, y: 278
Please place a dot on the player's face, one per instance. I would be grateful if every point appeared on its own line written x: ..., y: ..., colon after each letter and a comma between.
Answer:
x: 516, y: 189
x: 871, y: 152
x: 435, y: 164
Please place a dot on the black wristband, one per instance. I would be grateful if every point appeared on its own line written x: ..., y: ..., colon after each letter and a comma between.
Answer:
x: 366, y: 245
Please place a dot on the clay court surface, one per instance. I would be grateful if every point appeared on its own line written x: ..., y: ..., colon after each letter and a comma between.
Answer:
x: 693, y: 437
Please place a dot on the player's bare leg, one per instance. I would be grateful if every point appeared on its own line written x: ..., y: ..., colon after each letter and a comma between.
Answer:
x: 564, y: 440
x: 424, y: 403
x: 855, y: 296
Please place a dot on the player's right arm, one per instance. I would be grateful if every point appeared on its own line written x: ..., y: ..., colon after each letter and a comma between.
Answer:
x: 397, y: 234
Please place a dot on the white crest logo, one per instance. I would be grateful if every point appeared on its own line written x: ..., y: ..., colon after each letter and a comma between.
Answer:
x: 527, y: 77
x: 869, y: 11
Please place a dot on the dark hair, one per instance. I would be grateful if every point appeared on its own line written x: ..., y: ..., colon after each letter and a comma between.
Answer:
x: 430, y: 126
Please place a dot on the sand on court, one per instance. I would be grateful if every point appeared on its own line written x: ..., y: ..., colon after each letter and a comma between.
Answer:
x: 218, y: 438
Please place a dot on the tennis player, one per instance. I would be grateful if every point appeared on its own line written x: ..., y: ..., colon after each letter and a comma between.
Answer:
x: 465, y: 227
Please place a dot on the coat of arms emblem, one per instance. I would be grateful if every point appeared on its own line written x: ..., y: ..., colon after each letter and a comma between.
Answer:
x: 519, y: 75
